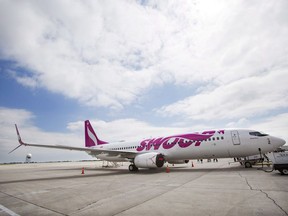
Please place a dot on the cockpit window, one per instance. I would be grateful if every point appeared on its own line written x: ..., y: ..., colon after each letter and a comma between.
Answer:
x: 256, y: 133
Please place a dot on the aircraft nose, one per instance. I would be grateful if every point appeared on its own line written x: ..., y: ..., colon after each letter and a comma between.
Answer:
x: 279, y: 142
x: 282, y: 141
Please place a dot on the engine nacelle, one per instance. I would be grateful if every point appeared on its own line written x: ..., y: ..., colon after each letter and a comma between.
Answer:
x: 178, y: 162
x: 149, y: 160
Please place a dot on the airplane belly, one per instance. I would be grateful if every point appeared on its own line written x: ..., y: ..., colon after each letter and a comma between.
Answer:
x: 107, y: 157
x: 112, y: 158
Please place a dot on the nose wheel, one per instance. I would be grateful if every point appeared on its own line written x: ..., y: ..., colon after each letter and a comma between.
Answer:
x: 133, y: 168
x: 248, y: 164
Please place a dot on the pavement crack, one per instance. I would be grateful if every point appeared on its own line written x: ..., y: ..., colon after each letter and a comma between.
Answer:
x: 266, y: 194
x: 246, y: 182
x: 273, y: 201
x: 86, y: 206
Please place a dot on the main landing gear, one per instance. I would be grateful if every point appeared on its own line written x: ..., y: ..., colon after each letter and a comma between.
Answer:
x: 133, y: 168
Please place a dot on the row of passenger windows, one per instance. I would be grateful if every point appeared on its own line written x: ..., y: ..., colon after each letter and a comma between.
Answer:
x: 215, y: 138
x: 134, y: 147
x: 124, y: 148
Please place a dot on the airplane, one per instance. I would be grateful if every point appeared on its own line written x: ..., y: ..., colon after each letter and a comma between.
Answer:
x: 175, y: 149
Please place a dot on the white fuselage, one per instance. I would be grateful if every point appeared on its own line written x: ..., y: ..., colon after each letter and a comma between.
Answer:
x: 220, y: 144
x: 154, y: 152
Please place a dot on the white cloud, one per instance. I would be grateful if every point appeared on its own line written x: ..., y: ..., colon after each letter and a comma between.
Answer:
x: 13, y: 116
x: 108, y: 53
x: 24, y: 80
x: 96, y: 53
x: 126, y: 129
x: 275, y: 125
x: 249, y: 97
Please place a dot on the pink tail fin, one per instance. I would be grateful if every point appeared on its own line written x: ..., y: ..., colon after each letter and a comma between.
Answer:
x: 91, y: 138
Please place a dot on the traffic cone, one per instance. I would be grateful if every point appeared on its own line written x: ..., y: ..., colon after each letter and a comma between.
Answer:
x: 167, y: 169
x: 82, y: 171
x: 192, y: 164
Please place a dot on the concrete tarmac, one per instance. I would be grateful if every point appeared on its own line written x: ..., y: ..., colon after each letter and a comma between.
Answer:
x: 205, y: 189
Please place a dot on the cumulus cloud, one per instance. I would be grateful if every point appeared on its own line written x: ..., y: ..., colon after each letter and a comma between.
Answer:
x: 109, y: 53
x: 98, y: 53
x: 126, y: 129
x: 12, y: 116
x: 106, y: 53
x: 249, y: 97
x: 276, y: 125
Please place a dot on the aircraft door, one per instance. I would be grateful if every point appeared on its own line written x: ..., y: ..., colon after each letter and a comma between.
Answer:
x: 235, y: 137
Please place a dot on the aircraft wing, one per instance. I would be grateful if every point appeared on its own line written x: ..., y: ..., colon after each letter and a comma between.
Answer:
x: 96, y: 151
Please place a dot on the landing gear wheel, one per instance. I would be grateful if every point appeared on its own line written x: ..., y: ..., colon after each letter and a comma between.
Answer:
x: 248, y: 164
x: 284, y: 171
x: 133, y: 168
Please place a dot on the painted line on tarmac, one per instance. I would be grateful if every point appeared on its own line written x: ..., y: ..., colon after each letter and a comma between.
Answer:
x: 8, y: 211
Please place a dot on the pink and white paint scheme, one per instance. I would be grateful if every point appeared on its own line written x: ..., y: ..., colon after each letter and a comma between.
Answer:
x: 154, y: 152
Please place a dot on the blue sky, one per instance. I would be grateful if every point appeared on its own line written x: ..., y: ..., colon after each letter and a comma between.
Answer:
x: 138, y: 69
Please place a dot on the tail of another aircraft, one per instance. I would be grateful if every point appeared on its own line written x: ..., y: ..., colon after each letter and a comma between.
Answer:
x: 91, y: 138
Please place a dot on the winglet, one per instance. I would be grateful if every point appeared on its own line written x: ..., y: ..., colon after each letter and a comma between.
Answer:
x: 19, y: 139
x: 18, y: 134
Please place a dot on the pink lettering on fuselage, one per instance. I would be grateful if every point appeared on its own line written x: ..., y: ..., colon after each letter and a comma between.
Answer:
x: 168, y: 145
x: 221, y: 131
x: 183, y: 141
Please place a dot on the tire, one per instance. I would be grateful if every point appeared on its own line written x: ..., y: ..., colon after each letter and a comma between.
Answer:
x: 132, y: 168
x: 248, y: 164
x: 284, y: 171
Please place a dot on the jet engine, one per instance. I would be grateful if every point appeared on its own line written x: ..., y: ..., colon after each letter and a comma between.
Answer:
x: 178, y: 162
x: 149, y: 160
